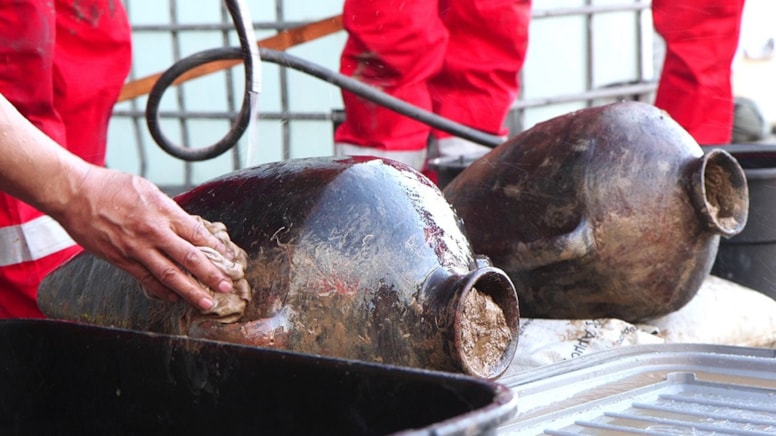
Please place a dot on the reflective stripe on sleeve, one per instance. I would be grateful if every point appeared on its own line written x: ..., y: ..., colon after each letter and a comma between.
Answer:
x: 32, y: 240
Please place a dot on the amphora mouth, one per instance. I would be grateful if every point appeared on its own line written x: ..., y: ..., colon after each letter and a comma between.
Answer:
x: 721, y: 192
x: 486, y: 323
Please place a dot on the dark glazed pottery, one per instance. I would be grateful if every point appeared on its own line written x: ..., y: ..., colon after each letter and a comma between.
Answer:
x: 611, y: 211
x: 358, y: 258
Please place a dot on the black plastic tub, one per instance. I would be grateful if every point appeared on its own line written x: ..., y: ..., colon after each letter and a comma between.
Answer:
x: 62, y: 378
x: 749, y: 258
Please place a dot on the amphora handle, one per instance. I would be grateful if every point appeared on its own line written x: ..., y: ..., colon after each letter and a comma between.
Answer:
x: 573, y: 245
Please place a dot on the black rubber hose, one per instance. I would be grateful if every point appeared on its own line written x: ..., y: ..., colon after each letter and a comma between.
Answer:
x: 285, y: 59
x: 248, y: 53
x: 379, y: 97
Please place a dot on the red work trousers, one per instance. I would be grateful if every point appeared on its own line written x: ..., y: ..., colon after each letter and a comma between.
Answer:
x: 695, y: 85
x: 62, y: 65
x: 457, y: 58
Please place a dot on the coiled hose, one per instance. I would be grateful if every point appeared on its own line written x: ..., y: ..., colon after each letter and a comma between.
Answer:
x: 252, y: 56
x: 248, y: 53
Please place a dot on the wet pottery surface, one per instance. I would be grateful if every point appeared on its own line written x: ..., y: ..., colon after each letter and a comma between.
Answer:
x: 360, y: 258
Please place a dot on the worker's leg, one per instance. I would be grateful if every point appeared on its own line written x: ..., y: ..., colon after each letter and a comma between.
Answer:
x: 92, y: 60
x: 695, y: 85
x: 395, y: 46
x: 479, y: 80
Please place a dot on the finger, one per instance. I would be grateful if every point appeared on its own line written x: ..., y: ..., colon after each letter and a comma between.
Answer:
x: 168, y: 276
x: 195, y: 232
x: 200, y: 266
x: 150, y: 286
x: 156, y: 291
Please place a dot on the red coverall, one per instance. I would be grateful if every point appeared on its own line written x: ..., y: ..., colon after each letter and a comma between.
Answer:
x: 62, y: 64
x: 695, y: 86
x: 457, y: 58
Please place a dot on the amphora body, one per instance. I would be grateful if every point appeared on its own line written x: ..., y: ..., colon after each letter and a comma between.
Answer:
x: 611, y: 211
x: 359, y: 258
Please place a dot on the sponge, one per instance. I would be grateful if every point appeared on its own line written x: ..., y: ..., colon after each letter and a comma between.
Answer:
x: 228, y: 308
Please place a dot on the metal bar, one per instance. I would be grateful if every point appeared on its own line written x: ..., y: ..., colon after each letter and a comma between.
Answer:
x: 283, y: 72
x: 179, y: 92
x: 647, y: 31
x: 229, y: 83
x: 137, y: 126
x: 283, y: 25
x: 608, y: 92
x: 229, y: 116
x: 590, y: 58
x: 639, y: 17
x: 588, y: 9
x: 217, y: 27
x: 619, y: 91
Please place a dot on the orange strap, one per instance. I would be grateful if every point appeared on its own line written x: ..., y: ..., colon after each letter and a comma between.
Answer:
x: 281, y: 41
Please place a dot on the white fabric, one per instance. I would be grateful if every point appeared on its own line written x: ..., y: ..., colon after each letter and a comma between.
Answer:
x: 32, y: 240
x: 721, y: 313
x: 414, y: 158
x: 545, y: 341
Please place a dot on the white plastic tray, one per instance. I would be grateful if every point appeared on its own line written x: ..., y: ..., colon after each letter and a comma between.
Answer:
x: 650, y: 389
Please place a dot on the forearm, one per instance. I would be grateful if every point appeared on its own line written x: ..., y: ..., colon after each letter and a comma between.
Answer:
x: 33, y: 167
x: 120, y: 217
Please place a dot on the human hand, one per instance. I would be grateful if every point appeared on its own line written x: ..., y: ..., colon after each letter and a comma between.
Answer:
x: 129, y: 222
x: 122, y: 218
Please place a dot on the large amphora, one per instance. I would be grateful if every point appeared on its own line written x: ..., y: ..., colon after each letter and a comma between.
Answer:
x: 359, y: 258
x: 610, y: 211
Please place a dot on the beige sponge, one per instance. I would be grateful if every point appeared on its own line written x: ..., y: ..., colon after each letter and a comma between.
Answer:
x: 229, y: 307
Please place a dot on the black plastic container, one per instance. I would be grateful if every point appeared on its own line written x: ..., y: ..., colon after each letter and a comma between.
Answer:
x: 66, y: 378
x: 448, y: 167
x: 749, y: 258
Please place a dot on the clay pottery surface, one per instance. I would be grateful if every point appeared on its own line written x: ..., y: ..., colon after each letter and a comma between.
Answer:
x: 611, y: 211
x: 359, y: 258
